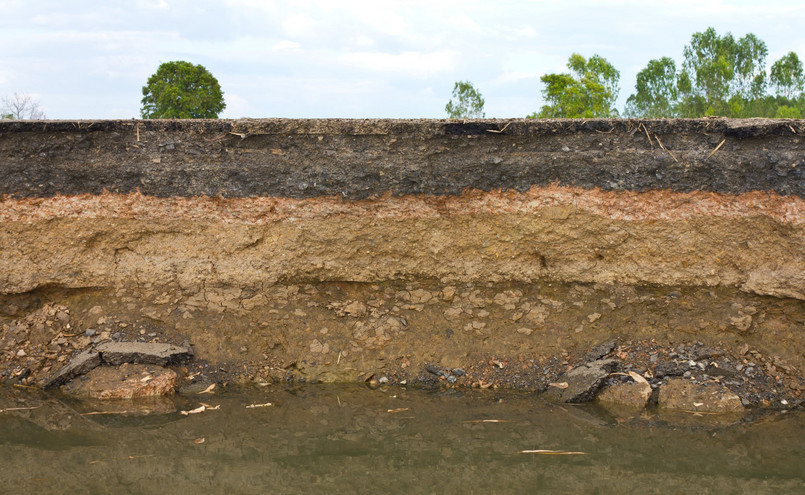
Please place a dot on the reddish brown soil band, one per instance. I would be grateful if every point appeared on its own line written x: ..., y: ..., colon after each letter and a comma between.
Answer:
x: 627, y: 205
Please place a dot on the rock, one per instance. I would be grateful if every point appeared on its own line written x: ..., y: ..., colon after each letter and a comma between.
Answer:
x: 706, y: 397
x: 705, y: 353
x: 355, y: 309
x: 115, y: 353
x: 128, y: 381
x: 668, y: 368
x: 434, y: 370
x: 82, y: 363
x: 722, y: 369
x: 448, y: 293
x: 632, y: 395
x: 600, y: 351
x: 742, y: 323
x: 582, y: 382
x: 420, y: 296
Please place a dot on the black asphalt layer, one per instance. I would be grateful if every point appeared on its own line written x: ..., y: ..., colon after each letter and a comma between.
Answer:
x: 357, y: 159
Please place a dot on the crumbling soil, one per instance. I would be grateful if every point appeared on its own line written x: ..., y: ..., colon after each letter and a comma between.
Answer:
x: 461, y: 254
x: 428, y: 334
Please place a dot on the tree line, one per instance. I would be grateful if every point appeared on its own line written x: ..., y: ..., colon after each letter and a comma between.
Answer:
x: 718, y: 76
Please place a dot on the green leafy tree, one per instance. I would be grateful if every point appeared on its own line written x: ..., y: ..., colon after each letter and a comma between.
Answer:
x: 589, y: 91
x: 181, y: 90
x: 656, y: 91
x: 720, y: 73
x: 466, y: 102
x: 787, y: 112
x: 787, y: 77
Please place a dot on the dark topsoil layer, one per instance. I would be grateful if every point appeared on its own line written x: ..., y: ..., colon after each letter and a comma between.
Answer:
x: 364, y: 158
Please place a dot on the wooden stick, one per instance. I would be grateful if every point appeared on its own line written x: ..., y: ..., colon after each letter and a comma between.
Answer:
x: 487, y: 421
x: 647, y: 135
x: 717, y: 147
x: 19, y: 409
x: 552, y: 452
x: 500, y: 131
x: 664, y: 148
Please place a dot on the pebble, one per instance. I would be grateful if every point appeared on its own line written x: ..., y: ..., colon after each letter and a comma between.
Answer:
x: 687, y: 374
x: 451, y: 379
x: 90, y: 332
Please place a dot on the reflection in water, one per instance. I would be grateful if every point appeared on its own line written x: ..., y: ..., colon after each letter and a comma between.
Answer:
x: 318, y: 439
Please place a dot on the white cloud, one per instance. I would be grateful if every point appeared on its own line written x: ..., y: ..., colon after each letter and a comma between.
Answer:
x: 298, y: 26
x: 516, y: 76
x: 286, y: 46
x: 363, y: 41
x: 153, y: 4
x: 237, y: 106
x: 410, y: 63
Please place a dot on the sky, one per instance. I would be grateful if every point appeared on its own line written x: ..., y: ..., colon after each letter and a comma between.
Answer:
x: 352, y: 59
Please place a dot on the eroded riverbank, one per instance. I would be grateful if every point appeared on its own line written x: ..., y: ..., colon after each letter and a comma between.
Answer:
x: 464, y: 254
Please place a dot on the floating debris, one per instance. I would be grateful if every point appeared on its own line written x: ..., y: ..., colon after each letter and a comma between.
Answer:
x: 552, y: 452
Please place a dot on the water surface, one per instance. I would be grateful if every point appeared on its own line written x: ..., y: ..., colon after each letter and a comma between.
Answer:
x: 350, y: 439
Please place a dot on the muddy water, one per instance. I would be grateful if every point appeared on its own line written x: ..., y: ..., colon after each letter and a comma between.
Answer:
x: 337, y: 439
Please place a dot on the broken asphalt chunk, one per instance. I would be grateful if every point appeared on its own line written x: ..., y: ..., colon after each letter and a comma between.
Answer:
x: 84, y: 362
x: 115, y: 353
x: 582, y: 382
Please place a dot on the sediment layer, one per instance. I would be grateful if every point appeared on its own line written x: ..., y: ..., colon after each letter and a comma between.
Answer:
x: 345, y: 250
x: 755, y: 241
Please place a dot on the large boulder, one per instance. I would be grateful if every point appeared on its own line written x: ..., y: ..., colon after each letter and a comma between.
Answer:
x: 128, y: 381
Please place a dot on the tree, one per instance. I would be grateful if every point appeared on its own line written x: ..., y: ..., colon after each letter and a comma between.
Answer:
x: 787, y: 77
x: 657, y: 91
x: 719, y: 74
x: 589, y: 91
x: 466, y: 102
x: 181, y: 90
x: 20, y: 107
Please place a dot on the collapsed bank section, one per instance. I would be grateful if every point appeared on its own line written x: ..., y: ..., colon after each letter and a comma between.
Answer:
x: 404, y: 250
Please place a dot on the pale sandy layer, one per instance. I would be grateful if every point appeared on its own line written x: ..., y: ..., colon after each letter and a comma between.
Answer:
x: 625, y: 206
